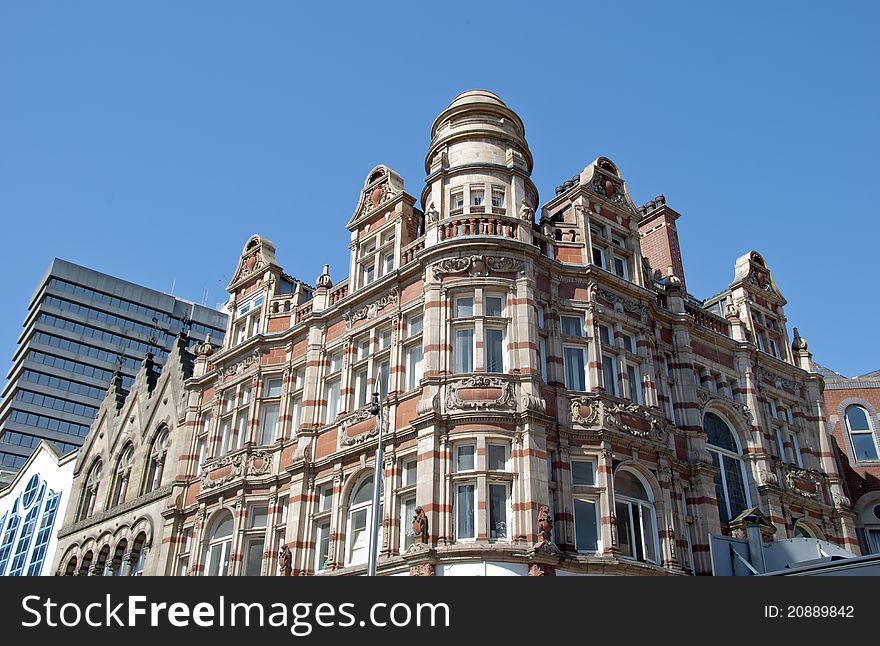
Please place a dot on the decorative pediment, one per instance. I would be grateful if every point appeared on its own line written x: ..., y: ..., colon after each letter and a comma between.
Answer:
x: 257, y: 256
x: 752, y: 272
x: 602, y: 179
x: 478, y: 265
x: 381, y: 187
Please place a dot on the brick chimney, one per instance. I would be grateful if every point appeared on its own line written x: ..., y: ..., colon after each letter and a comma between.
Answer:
x: 659, y: 239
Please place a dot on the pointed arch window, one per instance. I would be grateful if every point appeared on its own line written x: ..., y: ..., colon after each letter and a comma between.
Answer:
x: 90, y: 493
x: 123, y: 472
x: 730, y: 483
x: 157, y: 461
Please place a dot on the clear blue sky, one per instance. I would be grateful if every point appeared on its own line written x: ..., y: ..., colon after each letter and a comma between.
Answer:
x: 149, y: 140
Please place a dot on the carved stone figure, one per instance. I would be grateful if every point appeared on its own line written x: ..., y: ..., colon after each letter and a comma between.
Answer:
x: 420, y: 526
x: 545, y: 524
x: 285, y: 560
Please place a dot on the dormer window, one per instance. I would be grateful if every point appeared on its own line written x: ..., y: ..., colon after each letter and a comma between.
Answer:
x: 248, y: 318
x: 376, y: 257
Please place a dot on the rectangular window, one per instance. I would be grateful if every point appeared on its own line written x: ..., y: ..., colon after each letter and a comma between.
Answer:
x: 225, y: 432
x: 583, y: 473
x: 361, y: 388
x: 414, y: 325
x: 384, y: 338
x: 620, y: 267
x: 322, y: 547
x: 628, y: 343
x: 388, y: 263
x: 368, y: 274
x: 574, y: 360
x: 496, y: 457
x: 605, y: 335
x: 332, y: 402
x: 464, y: 307
x: 407, y: 513
x: 408, y: 477
x: 586, y: 525
x: 464, y: 457
x: 635, y: 384
x: 458, y: 200
x: 493, y: 306
x: 258, y: 517
x: 542, y: 355
x: 296, y: 416
x: 464, y: 512
x: 494, y: 348
x: 477, y: 197
x: 796, y: 449
x: 363, y: 348
x: 780, y: 444
x: 498, y: 502
x: 335, y: 362
x: 413, y: 366
x: 254, y: 558
x: 609, y: 370
x: 572, y: 326
x: 268, y: 423
x: 497, y: 198
x: 325, y: 497
x: 774, y: 348
x: 599, y: 257
x: 463, y: 351
x: 382, y: 377
x: 272, y: 388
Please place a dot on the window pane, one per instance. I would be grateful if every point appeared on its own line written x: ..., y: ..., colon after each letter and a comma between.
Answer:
x: 497, y: 457
x: 464, y: 307
x: 415, y: 325
x: 605, y: 335
x: 575, y: 369
x: 864, y: 447
x: 497, y: 511
x: 649, y: 533
x: 582, y: 473
x: 598, y: 257
x: 269, y: 424
x: 323, y: 545
x: 635, y: 386
x: 735, y: 486
x: 572, y: 326
x: 465, y: 458
x: 857, y: 419
x: 413, y: 366
x: 464, y: 502
x: 254, y: 560
x: 463, y: 351
x: 494, y: 345
x: 493, y: 306
x: 719, y: 489
x: 361, y: 385
x: 624, y: 529
x: 258, y: 517
x: 610, y: 372
x: 585, y: 526
x: 409, y: 473
x: 407, y: 512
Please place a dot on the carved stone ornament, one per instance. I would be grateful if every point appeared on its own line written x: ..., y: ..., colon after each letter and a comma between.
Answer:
x: 422, y: 569
x: 610, y: 189
x: 803, y: 482
x: 478, y: 265
x: 355, y: 419
x: 620, y: 303
x: 455, y: 401
x: 371, y: 310
x: 707, y: 396
x: 257, y: 463
x: 778, y: 380
x: 240, y: 366
x: 596, y: 410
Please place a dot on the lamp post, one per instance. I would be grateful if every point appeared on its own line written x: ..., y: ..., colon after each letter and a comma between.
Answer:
x: 376, y: 409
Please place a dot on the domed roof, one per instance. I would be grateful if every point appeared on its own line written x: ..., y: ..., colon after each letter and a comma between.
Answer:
x: 476, y: 96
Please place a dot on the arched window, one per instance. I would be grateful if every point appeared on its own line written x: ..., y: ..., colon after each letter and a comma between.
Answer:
x: 360, y: 516
x: 123, y: 471
x: 138, y: 554
x: 90, y: 493
x: 103, y: 563
x: 730, y: 483
x: 636, y: 519
x: 116, y: 566
x: 70, y: 570
x: 86, y: 563
x: 858, y: 423
x: 802, y: 531
x: 219, y: 546
x: 157, y: 461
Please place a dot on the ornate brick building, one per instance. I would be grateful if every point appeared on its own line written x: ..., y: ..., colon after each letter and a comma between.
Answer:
x: 554, y: 401
x: 853, y: 405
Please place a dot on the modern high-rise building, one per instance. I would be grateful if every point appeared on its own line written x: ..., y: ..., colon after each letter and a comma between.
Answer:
x: 553, y: 401
x: 81, y: 327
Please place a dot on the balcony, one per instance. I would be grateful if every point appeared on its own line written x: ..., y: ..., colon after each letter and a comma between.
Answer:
x: 708, y: 320
x: 475, y: 225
